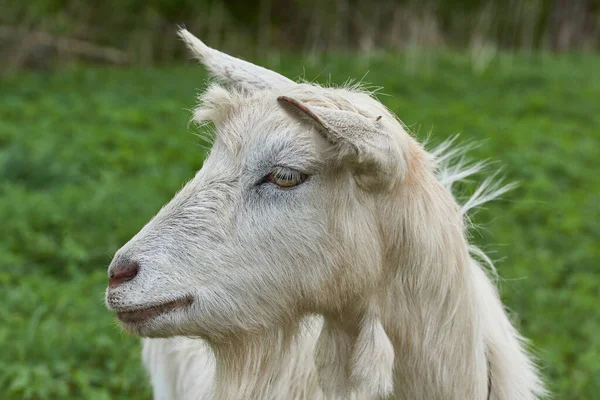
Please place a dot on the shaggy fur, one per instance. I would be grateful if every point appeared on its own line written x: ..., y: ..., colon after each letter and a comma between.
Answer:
x: 359, y: 283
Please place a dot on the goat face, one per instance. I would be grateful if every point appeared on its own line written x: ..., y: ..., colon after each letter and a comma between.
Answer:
x: 282, y: 220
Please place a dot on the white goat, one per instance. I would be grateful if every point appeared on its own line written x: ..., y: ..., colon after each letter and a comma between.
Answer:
x: 318, y: 254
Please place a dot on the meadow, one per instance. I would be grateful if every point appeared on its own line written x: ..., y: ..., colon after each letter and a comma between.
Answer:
x: 88, y: 155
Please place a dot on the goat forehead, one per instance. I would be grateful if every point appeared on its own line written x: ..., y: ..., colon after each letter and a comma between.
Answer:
x: 262, y: 136
x: 258, y: 130
x: 253, y: 115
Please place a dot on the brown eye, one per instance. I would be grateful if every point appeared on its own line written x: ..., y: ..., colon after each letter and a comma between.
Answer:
x: 285, y: 177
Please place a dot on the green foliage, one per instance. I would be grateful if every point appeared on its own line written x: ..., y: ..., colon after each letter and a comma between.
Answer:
x: 87, y: 156
x: 59, y: 343
x: 143, y: 31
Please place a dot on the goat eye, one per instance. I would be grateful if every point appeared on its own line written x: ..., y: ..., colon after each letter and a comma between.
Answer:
x: 285, y: 177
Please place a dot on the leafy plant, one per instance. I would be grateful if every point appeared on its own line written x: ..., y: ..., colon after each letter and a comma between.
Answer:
x: 88, y: 155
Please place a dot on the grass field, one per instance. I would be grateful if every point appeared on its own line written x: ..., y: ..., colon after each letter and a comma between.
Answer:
x: 88, y: 155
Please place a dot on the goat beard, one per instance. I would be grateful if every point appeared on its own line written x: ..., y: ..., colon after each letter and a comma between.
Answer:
x: 356, y: 358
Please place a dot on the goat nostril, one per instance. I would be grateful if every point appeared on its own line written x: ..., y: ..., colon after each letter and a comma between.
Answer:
x: 122, y: 273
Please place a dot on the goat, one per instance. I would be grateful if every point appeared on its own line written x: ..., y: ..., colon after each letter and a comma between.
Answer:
x: 318, y: 254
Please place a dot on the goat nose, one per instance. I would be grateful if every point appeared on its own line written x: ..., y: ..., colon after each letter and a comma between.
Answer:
x: 121, y: 273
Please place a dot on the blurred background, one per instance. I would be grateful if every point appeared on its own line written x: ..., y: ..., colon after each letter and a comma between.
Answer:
x: 42, y: 33
x: 95, y: 101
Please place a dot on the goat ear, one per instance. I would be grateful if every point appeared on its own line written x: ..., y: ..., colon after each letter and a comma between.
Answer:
x: 364, y: 141
x: 233, y: 71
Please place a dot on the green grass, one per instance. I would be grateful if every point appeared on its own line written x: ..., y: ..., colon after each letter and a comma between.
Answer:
x: 88, y: 155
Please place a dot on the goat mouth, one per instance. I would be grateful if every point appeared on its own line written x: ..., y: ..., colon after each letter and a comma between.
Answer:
x: 139, y: 315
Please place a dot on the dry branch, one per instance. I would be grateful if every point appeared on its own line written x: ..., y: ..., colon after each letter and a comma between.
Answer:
x: 68, y: 45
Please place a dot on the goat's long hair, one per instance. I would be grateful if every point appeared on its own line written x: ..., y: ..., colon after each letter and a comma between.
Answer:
x: 185, y: 368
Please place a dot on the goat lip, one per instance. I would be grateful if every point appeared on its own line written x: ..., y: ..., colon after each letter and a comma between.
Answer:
x: 139, y: 315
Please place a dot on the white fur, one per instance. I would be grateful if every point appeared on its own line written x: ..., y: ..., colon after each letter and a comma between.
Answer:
x: 356, y: 284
